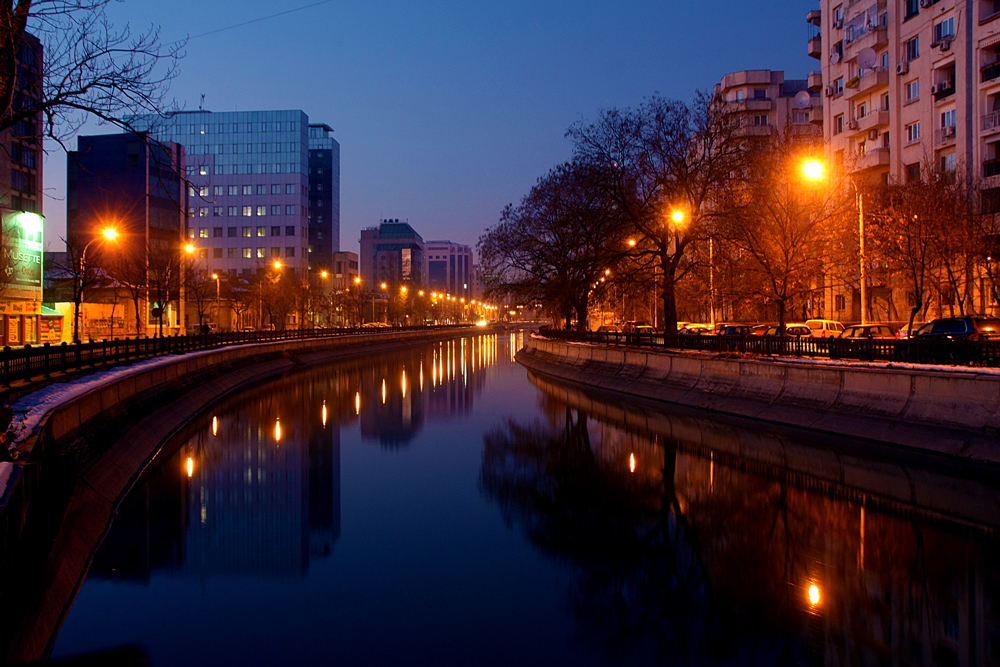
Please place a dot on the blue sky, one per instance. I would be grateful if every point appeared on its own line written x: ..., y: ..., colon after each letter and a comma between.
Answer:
x: 446, y: 111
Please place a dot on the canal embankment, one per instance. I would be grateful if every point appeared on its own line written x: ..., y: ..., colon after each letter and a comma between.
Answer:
x: 948, y: 411
x: 84, y: 444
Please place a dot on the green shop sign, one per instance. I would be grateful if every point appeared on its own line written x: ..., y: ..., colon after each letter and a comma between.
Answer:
x: 22, y: 250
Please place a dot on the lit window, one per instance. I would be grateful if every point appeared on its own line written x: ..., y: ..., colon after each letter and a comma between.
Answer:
x: 203, y: 233
x: 247, y: 211
x: 203, y: 212
x: 247, y: 232
x: 260, y: 253
x: 217, y: 211
x: 203, y: 170
x: 246, y: 253
x: 262, y: 231
x: 247, y: 189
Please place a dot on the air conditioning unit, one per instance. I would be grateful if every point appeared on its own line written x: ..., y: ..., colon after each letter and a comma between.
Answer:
x: 925, y: 3
x: 945, y: 44
x: 903, y: 68
x: 829, y: 91
x: 873, y: 135
x: 838, y: 24
x: 936, y: 88
x: 949, y: 130
x: 852, y: 124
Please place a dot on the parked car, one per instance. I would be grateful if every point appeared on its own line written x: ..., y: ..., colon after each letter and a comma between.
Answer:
x: 904, y: 331
x: 629, y: 327
x: 960, y: 328
x: 796, y: 330
x: 759, y: 329
x: 734, y: 330
x: 697, y: 330
x: 868, y: 331
x: 825, y: 328
x: 643, y: 329
x: 608, y: 328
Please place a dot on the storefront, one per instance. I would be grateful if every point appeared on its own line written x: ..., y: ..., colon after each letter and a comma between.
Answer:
x: 21, y: 278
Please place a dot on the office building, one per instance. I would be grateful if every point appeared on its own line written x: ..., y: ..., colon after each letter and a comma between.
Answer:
x: 324, y: 197
x: 135, y: 185
x: 392, y: 253
x: 449, y: 268
x: 249, y: 187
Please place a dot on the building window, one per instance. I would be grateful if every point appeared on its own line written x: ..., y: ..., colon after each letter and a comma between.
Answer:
x: 944, y: 30
x: 838, y: 124
x: 203, y: 191
x: 276, y: 209
x: 217, y: 191
x: 234, y: 210
x: 260, y: 253
x: 217, y: 253
x: 230, y: 253
x: 885, y: 102
x: 234, y: 190
x: 203, y: 170
x: 913, y: 133
x: 247, y: 189
x: 191, y: 233
x: 203, y: 253
x: 247, y: 232
x: 290, y: 209
x: 191, y: 210
x: 261, y: 210
x: 911, y: 49
x: 217, y: 232
x: 290, y: 189
x: 231, y: 232
x: 275, y: 252
x: 203, y: 212
x: 262, y: 189
x: 249, y: 148
x: 275, y: 231
x: 246, y: 253
x: 948, y: 162
x: 289, y: 230
x: 913, y: 172
x: 262, y: 231
x: 758, y: 121
x: 912, y: 9
x: 217, y: 211
x: 840, y: 303
x: 838, y: 86
x: 948, y: 118
x: 247, y: 211
x: 276, y: 189
x: 203, y: 233
x: 263, y: 148
x: 289, y: 252
x: 913, y: 90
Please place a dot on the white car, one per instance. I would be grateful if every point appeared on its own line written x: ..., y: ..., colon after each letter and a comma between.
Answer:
x: 825, y: 328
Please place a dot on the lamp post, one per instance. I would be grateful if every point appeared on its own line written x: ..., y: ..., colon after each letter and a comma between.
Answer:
x: 813, y: 170
x: 108, y: 234
x: 218, y: 305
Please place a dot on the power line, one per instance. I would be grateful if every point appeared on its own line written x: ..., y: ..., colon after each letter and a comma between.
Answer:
x: 262, y: 18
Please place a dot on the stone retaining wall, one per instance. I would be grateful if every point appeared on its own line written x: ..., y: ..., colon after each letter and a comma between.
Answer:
x: 956, y: 413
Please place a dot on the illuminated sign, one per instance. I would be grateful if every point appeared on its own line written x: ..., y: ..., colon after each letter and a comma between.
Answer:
x: 22, y: 246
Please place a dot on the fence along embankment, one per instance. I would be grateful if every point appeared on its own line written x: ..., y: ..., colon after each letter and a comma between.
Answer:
x: 950, y: 412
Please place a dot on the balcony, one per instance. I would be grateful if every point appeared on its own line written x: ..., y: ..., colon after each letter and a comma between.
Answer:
x: 871, y: 81
x: 814, y: 17
x: 944, y: 136
x: 991, y: 168
x: 755, y: 104
x: 873, y: 120
x: 815, y: 81
x: 990, y: 72
x: 754, y: 131
x: 944, y: 90
x: 991, y: 122
x: 876, y: 38
x: 872, y: 159
x: 815, y: 48
x: 806, y: 130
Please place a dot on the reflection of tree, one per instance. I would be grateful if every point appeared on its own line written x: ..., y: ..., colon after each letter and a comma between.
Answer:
x: 640, y: 587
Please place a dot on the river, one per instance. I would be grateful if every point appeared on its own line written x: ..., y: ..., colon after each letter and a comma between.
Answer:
x: 439, y: 505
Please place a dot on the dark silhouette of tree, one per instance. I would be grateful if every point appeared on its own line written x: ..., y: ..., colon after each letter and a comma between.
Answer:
x: 660, y: 158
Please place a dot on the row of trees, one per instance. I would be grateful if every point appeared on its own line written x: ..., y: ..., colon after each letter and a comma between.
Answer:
x: 682, y: 202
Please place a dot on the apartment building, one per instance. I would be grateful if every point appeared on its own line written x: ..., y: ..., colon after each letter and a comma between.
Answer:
x: 449, y: 268
x: 909, y: 85
x: 768, y: 104
x: 324, y: 197
x: 392, y: 253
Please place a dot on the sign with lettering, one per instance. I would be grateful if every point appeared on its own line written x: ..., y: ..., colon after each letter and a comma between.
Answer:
x: 20, y: 307
x: 22, y: 245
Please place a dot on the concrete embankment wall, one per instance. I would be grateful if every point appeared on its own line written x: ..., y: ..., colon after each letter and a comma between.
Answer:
x: 955, y: 413
x: 100, y: 442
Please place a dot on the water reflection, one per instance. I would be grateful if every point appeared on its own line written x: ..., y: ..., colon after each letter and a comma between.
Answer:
x: 254, y: 489
x: 692, y: 541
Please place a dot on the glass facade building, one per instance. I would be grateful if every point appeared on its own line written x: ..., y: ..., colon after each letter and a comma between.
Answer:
x: 324, y: 197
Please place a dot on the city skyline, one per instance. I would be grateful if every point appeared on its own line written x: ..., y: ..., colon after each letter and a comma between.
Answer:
x: 447, y: 113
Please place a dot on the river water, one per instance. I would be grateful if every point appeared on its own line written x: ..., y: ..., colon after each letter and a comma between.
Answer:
x: 441, y: 505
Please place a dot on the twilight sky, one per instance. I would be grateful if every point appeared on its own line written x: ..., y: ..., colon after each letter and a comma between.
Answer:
x: 447, y: 110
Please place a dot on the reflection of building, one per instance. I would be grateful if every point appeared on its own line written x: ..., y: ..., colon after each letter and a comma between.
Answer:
x: 392, y: 253
x: 392, y: 403
x: 134, y: 184
x: 324, y: 197
x: 449, y: 268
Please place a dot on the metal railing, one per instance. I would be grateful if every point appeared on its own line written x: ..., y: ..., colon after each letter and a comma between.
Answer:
x: 31, y: 361
x: 927, y: 351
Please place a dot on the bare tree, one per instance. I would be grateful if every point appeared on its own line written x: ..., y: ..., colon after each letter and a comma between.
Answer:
x: 661, y: 159
x: 164, y: 276
x: 198, y: 288
x: 128, y: 267
x: 91, y: 68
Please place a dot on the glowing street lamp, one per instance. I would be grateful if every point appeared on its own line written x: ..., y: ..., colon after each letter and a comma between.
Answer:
x: 108, y: 234
x: 677, y: 217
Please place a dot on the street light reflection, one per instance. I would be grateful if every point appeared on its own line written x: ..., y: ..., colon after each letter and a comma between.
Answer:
x: 190, y: 467
x: 324, y: 414
x: 357, y: 403
x: 631, y: 463
x: 813, y: 595
x: 215, y: 426
x: 277, y: 429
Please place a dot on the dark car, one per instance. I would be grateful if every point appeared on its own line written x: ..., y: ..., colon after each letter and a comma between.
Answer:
x: 734, y: 330
x: 793, y: 330
x: 960, y: 328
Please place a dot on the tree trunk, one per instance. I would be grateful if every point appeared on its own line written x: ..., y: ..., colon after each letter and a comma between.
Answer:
x: 667, y: 284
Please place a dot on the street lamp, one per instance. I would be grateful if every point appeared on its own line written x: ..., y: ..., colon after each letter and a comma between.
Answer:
x: 108, y: 234
x: 218, y: 305
x: 814, y: 171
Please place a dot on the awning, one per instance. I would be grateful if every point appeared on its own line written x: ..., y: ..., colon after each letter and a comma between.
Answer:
x: 50, y: 312
x: 986, y: 43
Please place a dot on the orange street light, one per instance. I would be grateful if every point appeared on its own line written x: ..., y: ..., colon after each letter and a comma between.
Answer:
x: 677, y: 217
x: 631, y: 243
x: 277, y: 264
x: 421, y: 292
x: 110, y: 233
x: 402, y: 290
x: 813, y: 170
x: 357, y: 280
x: 323, y: 274
x: 189, y: 248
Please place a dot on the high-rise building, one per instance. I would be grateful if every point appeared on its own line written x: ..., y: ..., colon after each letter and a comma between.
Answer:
x: 135, y: 185
x: 249, y: 186
x: 21, y: 157
x: 392, y: 253
x: 324, y: 197
x: 909, y: 86
x: 768, y: 104
x: 449, y: 268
